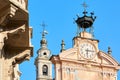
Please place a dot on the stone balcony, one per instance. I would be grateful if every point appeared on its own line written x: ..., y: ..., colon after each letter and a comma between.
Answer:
x: 14, y: 23
x: 12, y: 10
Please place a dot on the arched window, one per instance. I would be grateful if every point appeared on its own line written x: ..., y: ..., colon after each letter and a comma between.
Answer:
x: 45, y: 70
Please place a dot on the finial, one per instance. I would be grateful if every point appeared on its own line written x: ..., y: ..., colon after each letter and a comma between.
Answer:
x: 84, y: 5
x: 109, y: 51
x: 44, y: 32
x: 94, y: 17
x: 62, y: 46
x: 92, y: 13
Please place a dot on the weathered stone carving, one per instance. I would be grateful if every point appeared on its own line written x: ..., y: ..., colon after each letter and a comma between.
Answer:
x: 21, y: 57
x: 24, y: 3
x: 15, y: 37
x: 17, y: 60
x: 4, y: 34
x: 7, y: 14
x: 16, y: 72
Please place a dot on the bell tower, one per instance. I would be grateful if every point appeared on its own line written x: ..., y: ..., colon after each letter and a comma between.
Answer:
x: 42, y: 62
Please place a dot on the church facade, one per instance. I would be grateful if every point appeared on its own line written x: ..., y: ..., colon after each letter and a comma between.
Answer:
x: 85, y: 61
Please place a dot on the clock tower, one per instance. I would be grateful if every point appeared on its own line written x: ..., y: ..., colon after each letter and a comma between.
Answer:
x: 42, y: 62
x: 85, y: 61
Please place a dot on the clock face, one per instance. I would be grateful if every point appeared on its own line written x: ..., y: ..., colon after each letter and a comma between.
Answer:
x: 87, y: 50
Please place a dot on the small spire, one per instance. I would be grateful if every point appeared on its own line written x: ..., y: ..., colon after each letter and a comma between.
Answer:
x: 109, y: 51
x: 62, y: 46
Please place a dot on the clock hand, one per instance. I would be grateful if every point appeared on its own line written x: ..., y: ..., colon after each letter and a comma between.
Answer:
x: 89, y: 50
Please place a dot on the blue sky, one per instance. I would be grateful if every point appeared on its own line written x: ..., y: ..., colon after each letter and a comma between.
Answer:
x: 58, y: 16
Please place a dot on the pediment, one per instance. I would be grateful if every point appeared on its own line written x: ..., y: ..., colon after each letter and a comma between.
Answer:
x: 107, y: 59
x: 69, y: 54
